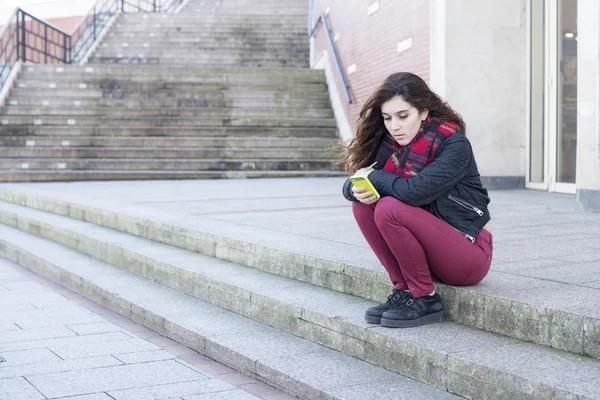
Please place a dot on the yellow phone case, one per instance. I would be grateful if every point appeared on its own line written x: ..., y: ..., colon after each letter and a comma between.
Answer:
x: 362, y: 181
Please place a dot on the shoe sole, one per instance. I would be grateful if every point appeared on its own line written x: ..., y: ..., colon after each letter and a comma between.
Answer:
x: 371, y: 319
x: 410, y: 323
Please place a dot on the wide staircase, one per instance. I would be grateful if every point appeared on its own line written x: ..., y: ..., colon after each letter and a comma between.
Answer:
x: 219, y: 90
x: 288, y: 308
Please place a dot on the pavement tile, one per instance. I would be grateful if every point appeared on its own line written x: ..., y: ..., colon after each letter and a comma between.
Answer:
x: 282, y: 396
x: 237, y: 379
x: 15, y: 338
x: 212, y: 367
x: 102, y: 348
x: 5, y: 326
x: 58, y: 366
x: 38, y: 300
x: 22, y: 357
x: 144, y: 356
x: 108, y: 379
x: 163, y: 342
x: 18, y: 389
x: 95, y: 396
x: 58, y: 316
x: 228, y: 395
x: 191, y: 388
x: 196, y: 359
x: 260, y: 389
x: 180, y: 350
x: 94, y: 327
x: 148, y: 334
x: 25, y: 287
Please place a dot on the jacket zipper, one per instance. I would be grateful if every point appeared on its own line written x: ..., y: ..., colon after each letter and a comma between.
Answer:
x: 466, y: 205
x: 469, y: 237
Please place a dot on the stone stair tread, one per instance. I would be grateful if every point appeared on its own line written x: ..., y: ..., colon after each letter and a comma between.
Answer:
x: 519, y: 304
x: 50, y: 175
x: 460, y: 349
x: 313, y: 371
x: 172, y: 71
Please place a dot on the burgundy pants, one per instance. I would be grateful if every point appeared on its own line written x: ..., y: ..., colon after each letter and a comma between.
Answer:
x: 416, y: 247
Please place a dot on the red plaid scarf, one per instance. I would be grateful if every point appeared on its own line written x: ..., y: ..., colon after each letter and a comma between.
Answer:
x: 407, y: 161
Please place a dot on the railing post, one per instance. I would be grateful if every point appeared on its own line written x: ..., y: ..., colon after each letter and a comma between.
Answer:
x: 310, y: 17
x: 94, y: 22
x: 45, y: 44
x: 66, y: 56
x: 154, y: 5
x: 123, y: 5
x: 18, y: 38
x: 24, y: 38
x: 335, y: 57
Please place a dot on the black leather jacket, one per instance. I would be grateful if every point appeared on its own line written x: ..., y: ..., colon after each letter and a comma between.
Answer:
x: 450, y: 185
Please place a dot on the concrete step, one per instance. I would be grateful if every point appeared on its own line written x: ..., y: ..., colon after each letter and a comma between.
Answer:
x: 181, y: 87
x: 257, y: 62
x: 463, y: 360
x: 215, y: 98
x: 264, y: 12
x: 160, y: 142
x: 136, y: 60
x: 71, y: 102
x: 61, y: 175
x: 173, y: 111
x: 139, y: 39
x: 204, y: 49
x: 265, y: 26
x: 207, y: 31
x: 178, y: 132
x: 167, y: 72
x: 165, y: 121
x: 183, y: 153
x: 262, y: 51
x: 204, y: 25
x: 515, y: 306
x: 280, y: 359
x: 222, y: 79
x: 177, y: 164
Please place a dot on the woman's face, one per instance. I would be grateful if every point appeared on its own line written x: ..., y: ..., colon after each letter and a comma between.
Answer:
x: 402, y: 120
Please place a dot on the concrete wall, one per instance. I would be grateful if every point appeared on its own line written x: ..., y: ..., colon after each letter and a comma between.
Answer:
x: 479, y: 53
x: 588, y: 103
x: 368, y: 43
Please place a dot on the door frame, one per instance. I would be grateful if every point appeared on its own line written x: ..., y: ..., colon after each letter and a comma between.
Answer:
x: 551, y: 101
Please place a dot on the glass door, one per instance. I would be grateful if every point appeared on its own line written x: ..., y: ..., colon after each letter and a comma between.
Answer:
x: 566, y: 141
x: 552, y: 100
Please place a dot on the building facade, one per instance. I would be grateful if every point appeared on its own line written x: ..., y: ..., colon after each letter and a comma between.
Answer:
x: 524, y: 74
x: 64, y: 14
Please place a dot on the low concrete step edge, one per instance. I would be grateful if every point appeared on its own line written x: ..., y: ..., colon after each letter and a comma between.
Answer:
x: 301, y: 375
x: 579, y: 334
x: 407, y: 353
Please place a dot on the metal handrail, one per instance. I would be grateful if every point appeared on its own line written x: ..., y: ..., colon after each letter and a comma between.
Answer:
x: 28, y: 39
x: 311, y: 32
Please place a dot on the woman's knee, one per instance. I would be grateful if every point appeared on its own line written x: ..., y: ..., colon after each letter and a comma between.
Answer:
x: 362, y: 211
x: 388, y: 207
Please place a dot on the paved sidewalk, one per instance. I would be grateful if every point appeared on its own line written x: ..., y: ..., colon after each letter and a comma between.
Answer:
x: 55, y: 344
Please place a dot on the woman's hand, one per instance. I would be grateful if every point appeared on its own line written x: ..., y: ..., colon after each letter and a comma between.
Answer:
x: 362, y: 196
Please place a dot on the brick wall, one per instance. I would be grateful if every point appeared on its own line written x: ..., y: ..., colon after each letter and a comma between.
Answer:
x: 65, y: 24
x: 370, y: 42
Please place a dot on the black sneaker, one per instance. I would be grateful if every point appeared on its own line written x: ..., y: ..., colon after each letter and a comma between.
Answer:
x: 415, y: 312
x: 373, y: 314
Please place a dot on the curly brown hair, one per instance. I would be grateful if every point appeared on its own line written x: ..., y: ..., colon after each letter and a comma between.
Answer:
x: 362, y: 149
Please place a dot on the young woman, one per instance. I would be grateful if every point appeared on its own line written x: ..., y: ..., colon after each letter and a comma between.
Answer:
x: 431, y: 221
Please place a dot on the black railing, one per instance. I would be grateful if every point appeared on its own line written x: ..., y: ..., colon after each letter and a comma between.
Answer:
x: 28, y: 39
x: 311, y: 32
